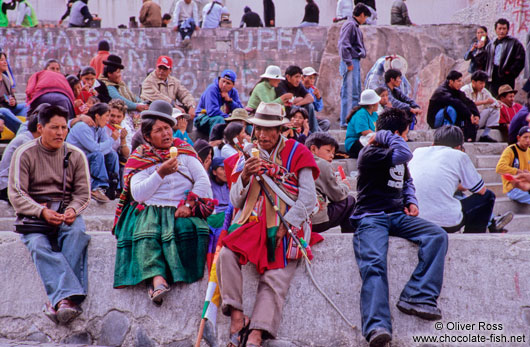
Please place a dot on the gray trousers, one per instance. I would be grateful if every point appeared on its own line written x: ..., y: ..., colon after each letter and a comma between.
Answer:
x: 64, y: 274
x: 272, y: 289
x: 489, y: 117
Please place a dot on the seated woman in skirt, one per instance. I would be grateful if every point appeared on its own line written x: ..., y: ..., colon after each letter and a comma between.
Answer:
x: 160, y: 220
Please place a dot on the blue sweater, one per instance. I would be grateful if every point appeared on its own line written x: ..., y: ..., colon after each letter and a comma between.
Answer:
x: 90, y: 139
x: 211, y: 101
x: 318, y: 103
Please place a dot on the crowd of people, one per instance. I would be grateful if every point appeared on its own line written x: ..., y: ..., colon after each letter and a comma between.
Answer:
x: 191, y: 173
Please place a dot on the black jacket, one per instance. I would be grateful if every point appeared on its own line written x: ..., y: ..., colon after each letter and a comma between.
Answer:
x: 512, y: 59
x: 445, y: 96
x: 268, y: 12
x: 370, y: 3
x: 251, y: 20
x: 311, y: 13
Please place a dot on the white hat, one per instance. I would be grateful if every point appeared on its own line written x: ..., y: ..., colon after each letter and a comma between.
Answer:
x: 269, y: 114
x: 178, y: 113
x: 309, y: 71
x: 274, y: 72
x: 396, y: 62
x: 369, y: 97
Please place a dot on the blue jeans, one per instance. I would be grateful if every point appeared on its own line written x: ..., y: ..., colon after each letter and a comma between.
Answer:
x: 9, y: 116
x: 101, y: 168
x: 519, y: 195
x: 64, y: 274
x: 350, y: 92
x: 370, y: 244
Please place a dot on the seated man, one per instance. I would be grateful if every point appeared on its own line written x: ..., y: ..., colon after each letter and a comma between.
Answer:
x: 309, y: 78
x: 9, y: 108
x: 160, y: 85
x: 186, y: 19
x: 386, y: 205
x: 103, y: 161
x: 333, y: 194
x: 219, y: 100
x: 449, y: 105
x: 397, y: 98
x: 441, y: 170
x: 22, y: 137
x: 509, y: 108
x: 264, y: 243
x: 116, y: 87
x: 515, y: 160
x: 302, y: 98
x: 486, y: 104
x: 36, y: 176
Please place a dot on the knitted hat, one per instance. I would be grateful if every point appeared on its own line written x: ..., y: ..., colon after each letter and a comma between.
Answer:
x: 202, y: 148
x: 103, y: 45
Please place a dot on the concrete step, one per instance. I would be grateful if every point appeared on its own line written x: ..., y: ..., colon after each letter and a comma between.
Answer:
x: 485, y: 161
x: 489, y: 175
x: 417, y: 135
x: 93, y: 223
x: 504, y: 204
x: 94, y: 209
x: 496, y: 188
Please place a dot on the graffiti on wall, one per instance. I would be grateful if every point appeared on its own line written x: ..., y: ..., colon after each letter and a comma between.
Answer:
x: 247, y: 51
x: 519, y: 13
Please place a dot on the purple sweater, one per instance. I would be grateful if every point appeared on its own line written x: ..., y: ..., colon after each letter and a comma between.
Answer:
x: 351, y: 44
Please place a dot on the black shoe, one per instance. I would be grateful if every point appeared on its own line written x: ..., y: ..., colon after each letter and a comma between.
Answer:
x: 423, y: 311
x: 379, y: 337
x: 113, y: 186
x: 486, y: 138
x: 498, y: 223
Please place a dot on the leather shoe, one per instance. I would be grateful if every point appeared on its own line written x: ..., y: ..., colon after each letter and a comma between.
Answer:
x: 379, y: 337
x: 50, y: 312
x: 67, y: 310
x: 423, y: 311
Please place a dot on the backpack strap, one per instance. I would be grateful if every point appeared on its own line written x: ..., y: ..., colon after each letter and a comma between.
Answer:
x: 516, y: 155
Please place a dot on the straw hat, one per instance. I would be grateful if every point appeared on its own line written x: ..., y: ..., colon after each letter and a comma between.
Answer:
x: 506, y: 89
x: 396, y: 62
x: 269, y: 114
x: 238, y: 114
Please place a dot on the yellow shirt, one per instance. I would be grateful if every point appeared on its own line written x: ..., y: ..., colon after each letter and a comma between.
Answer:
x: 505, y: 165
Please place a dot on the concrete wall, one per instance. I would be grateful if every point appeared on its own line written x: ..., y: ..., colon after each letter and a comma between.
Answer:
x: 486, y: 279
x: 288, y: 12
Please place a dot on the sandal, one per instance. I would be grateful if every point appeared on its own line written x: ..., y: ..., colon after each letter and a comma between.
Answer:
x: 239, y: 338
x: 158, y: 294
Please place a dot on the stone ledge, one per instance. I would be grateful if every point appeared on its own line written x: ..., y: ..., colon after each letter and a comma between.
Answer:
x: 486, y: 279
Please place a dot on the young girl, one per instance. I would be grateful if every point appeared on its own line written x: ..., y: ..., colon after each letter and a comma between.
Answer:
x: 298, y: 129
x: 383, y: 103
x: 232, y: 131
x: 79, y: 105
x: 361, y: 121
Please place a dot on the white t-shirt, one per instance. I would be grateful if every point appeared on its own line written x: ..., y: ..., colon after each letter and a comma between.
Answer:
x: 436, y: 172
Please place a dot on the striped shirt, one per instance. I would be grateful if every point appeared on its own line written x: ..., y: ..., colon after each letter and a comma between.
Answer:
x: 36, y: 173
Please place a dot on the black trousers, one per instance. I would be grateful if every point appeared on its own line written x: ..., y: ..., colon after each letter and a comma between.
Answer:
x: 477, y: 211
x: 339, y: 214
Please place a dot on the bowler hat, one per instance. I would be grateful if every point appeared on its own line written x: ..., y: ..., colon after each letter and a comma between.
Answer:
x: 160, y: 109
x: 113, y: 60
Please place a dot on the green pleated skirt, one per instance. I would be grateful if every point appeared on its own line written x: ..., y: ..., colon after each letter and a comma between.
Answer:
x: 152, y: 242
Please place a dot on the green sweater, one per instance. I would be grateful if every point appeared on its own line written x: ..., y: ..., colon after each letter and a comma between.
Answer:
x: 263, y: 92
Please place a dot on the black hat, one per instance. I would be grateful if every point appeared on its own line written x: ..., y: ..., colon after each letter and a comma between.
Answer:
x: 160, y: 109
x: 103, y: 45
x: 113, y: 60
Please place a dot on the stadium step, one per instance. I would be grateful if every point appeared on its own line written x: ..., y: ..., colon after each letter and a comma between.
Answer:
x: 486, y: 161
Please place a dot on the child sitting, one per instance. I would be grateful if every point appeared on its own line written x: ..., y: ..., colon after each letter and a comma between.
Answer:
x: 179, y: 130
x: 298, y: 129
x: 333, y: 193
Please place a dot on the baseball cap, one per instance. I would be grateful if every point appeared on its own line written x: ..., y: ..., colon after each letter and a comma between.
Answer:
x: 309, y: 71
x: 164, y: 60
x: 217, y: 162
x: 523, y: 130
x: 229, y: 75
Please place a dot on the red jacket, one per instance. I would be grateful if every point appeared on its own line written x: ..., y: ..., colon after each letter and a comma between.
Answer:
x: 97, y: 62
x: 46, y: 81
